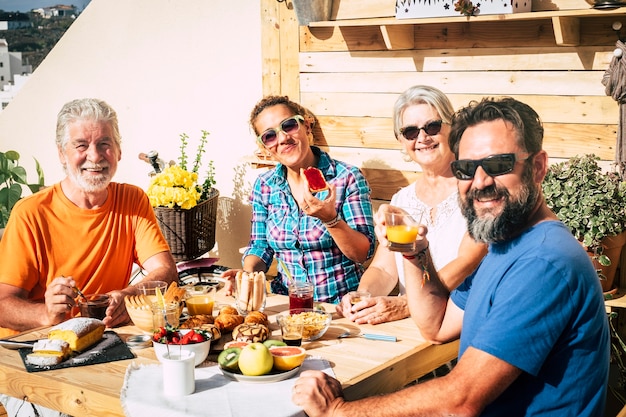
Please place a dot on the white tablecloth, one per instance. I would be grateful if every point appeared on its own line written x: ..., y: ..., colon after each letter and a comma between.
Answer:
x: 215, y: 395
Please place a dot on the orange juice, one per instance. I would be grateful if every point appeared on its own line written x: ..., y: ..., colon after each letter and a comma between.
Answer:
x: 200, y: 304
x: 403, y: 234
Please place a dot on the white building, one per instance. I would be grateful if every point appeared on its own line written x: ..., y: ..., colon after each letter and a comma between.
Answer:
x: 9, y: 91
x: 60, y: 10
x: 10, y: 64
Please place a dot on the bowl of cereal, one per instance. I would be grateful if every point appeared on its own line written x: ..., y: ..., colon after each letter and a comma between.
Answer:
x: 316, y: 322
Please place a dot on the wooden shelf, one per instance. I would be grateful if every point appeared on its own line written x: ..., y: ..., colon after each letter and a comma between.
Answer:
x: 399, y: 33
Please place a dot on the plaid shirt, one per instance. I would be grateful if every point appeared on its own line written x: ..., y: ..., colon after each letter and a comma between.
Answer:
x: 280, y: 228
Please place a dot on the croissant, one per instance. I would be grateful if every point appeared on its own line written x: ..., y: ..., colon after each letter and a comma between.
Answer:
x: 196, y: 321
x: 228, y: 310
x: 257, y: 317
x: 227, y: 322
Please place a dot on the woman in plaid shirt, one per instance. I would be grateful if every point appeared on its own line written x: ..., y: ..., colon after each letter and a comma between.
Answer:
x: 323, y: 237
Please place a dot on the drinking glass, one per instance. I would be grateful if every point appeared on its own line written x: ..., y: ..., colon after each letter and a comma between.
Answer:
x: 201, y: 304
x: 94, y: 305
x: 291, y: 329
x: 149, y: 288
x: 358, y: 296
x: 402, y: 230
x: 300, y: 295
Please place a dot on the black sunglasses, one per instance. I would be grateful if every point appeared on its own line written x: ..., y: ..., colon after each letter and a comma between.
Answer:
x: 430, y: 128
x: 287, y: 126
x: 494, y: 165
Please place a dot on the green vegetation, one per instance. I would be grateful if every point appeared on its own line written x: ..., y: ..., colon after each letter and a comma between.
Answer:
x: 37, y: 41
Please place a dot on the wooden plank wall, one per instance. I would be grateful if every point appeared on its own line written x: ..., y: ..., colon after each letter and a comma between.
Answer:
x: 350, y: 80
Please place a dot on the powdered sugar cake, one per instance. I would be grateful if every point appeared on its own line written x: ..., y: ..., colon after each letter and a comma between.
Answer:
x: 79, y: 332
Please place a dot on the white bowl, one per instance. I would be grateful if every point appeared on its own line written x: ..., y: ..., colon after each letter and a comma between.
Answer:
x: 200, y: 349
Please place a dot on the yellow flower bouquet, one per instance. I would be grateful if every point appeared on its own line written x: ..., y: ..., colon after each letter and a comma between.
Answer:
x: 186, y: 210
x: 177, y: 187
x: 174, y: 187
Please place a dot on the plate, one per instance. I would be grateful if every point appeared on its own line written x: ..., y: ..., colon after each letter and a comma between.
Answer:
x: 273, y: 377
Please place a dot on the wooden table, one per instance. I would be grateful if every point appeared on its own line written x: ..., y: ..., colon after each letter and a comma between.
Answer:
x: 364, y: 367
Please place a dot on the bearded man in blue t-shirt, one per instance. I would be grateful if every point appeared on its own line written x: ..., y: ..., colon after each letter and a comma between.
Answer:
x: 531, y: 318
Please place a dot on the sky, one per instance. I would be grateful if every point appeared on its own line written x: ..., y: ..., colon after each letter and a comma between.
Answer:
x: 28, y: 5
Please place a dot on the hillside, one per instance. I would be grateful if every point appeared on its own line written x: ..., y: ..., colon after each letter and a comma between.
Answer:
x: 37, y: 41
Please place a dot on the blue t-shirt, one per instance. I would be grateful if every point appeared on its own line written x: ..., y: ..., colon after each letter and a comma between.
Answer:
x: 536, y: 303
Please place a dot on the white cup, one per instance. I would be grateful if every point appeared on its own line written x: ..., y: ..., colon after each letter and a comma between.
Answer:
x: 178, y: 373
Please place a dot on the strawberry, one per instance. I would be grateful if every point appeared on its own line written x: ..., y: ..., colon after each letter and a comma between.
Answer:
x: 197, y: 338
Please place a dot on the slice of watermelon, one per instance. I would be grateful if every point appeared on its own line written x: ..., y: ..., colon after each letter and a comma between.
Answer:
x: 316, y: 179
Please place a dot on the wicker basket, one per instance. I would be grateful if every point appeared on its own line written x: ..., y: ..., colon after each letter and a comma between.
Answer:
x: 190, y: 233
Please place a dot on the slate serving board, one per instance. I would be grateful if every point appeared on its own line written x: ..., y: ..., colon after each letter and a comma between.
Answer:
x: 109, y: 349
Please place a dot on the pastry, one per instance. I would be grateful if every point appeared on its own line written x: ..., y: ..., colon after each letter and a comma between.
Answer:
x: 213, y: 329
x: 227, y: 322
x: 257, y: 317
x: 47, y: 352
x: 79, y: 332
x: 251, y: 291
x: 253, y: 333
x: 194, y: 322
x: 228, y: 310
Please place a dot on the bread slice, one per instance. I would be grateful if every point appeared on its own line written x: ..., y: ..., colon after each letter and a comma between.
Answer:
x: 79, y: 332
x: 47, y: 352
x: 316, y: 179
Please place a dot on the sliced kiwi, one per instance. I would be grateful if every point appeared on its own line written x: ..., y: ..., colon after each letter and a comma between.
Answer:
x: 272, y: 342
x: 229, y: 359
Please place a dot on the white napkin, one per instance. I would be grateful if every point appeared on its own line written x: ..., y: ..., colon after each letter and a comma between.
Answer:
x: 215, y: 395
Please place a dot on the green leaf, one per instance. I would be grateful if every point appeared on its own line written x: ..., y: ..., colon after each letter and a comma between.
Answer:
x: 12, y: 155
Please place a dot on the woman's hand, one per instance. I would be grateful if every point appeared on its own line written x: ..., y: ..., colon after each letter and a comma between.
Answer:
x: 229, y: 276
x: 374, y: 310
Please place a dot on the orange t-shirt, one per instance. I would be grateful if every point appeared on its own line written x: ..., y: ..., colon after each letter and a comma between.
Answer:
x: 48, y: 236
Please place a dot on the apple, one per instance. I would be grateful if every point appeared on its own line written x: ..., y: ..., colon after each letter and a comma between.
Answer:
x: 255, y: 359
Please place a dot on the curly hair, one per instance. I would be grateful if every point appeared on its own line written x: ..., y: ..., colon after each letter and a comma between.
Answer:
x: 521, y: 116
x: 270, y: 101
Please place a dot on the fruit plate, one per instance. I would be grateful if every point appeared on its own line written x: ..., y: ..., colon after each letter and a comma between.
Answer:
x: 272, y: 377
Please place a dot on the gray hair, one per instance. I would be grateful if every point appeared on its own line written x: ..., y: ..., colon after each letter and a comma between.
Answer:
x: 86, y: 109
x: 421, y: 94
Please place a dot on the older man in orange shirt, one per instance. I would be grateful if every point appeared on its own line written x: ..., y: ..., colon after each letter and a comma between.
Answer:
x: 85, y: 232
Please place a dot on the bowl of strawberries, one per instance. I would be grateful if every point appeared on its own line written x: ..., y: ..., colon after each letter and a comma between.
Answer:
x: 174, y: 342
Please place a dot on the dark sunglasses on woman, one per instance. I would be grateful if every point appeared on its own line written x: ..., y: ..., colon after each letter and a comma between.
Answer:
x: 493, y: 165
x: 288, y: 126
x: 430, y: 128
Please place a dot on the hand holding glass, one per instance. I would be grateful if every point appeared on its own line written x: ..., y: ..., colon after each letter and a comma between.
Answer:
x: 402, y: 230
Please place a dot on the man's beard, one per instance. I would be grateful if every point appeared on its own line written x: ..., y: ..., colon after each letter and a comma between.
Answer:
x: 91, y: 183
x: 490, y: 228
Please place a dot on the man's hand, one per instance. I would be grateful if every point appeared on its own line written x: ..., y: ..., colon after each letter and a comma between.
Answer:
x: 317, y: 393
x: 116, y: 314
x: 59, y: 299
x: 374, y: 310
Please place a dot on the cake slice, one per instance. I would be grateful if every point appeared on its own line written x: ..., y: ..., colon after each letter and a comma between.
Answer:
x: 79, y: 332
x: 47, y: 352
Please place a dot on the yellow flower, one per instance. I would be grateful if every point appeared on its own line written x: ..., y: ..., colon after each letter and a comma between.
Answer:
x: 174, y: 187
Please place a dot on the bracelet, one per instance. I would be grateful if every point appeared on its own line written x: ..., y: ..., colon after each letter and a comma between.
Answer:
x: 333, y: 222
x: 423, y: 260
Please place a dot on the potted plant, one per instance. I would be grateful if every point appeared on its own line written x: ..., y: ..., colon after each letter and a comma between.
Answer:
x: 12, y: 179
x: 186, y: 208
x: 592, y: 203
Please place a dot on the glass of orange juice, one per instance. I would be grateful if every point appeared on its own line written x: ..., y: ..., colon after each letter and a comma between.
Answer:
x: 402, y: 230
x: 202, y: 303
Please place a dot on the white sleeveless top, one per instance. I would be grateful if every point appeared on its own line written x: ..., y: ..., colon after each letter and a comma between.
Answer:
x: 444, y: 234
